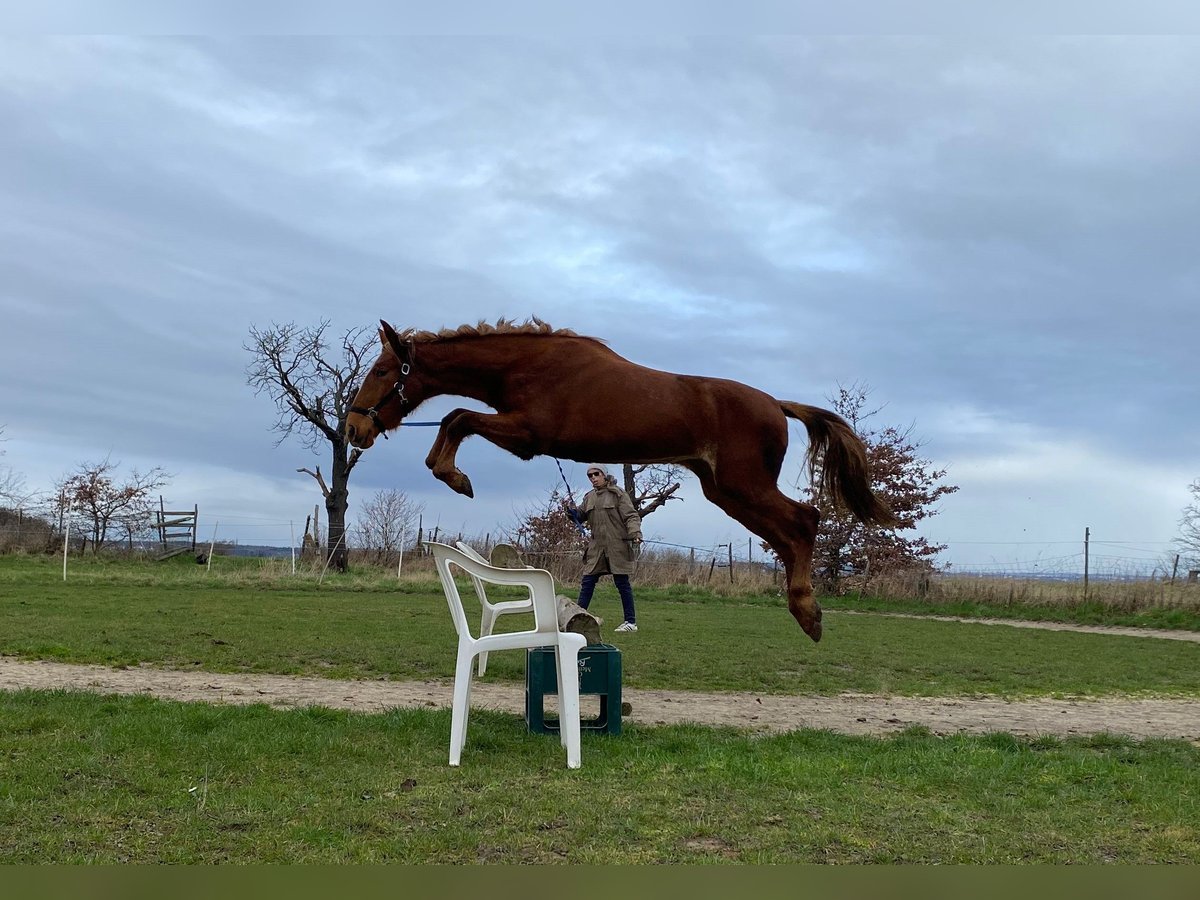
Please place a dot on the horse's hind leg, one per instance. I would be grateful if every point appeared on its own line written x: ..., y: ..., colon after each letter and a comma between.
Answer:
x: 790, y: 527
x: 803, y: 535
x: 787, y: 525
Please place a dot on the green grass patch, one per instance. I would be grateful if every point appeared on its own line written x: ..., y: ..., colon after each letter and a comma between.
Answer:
x: 251, y: 618
x: 109, y: 780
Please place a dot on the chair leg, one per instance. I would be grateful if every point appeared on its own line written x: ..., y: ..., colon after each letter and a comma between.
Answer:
x: 568, y: 701
x: 558, y: 677
x: 485, y: 628
x: 461, y: 708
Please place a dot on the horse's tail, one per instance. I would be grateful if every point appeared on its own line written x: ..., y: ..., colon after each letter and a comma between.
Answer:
x: 841, y: 457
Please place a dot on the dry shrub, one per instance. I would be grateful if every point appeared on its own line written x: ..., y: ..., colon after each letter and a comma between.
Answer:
x: 669, y: 568
x: 1131, y: 595
x: 564, y: 566
x: 21, y: 532
x: 659, y: 568
x: 655, y: 568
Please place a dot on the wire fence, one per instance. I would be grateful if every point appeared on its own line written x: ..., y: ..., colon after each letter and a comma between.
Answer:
x: 1126, y: 576
x: 1123, y: 559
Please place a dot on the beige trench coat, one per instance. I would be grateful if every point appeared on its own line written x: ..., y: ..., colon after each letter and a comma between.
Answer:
x: 614, y: 523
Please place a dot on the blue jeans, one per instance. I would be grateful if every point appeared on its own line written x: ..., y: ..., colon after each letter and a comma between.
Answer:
x: 623, y: 588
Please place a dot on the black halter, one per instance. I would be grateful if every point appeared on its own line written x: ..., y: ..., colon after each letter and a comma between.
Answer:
x: 396, y: 391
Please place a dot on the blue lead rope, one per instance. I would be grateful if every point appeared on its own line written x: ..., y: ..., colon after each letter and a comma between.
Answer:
x: 573, y: 512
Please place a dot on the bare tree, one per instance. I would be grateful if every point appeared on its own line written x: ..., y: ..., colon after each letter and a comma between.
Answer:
x: 312, y: 380
x: 1188, y: 541
x: 651, y: 486
x: 94, y: 490
x: 12, y: 484
x: 384, y: 520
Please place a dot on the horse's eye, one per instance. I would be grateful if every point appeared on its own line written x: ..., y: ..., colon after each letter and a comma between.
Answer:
x: 380, y: 373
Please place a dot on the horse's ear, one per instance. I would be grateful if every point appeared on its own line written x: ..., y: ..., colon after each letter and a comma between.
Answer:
x: 392, y: 340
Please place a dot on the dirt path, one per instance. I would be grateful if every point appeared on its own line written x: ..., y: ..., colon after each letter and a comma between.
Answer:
x: 846, y: 713
x: 1159, y: 633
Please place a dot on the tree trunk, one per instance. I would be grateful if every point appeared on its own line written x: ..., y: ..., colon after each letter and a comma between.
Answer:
x: 336, y: 502
x: 335, y: 512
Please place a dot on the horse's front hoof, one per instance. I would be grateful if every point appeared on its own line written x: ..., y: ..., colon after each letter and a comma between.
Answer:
x: 462, y: 484
x: 456, y: 481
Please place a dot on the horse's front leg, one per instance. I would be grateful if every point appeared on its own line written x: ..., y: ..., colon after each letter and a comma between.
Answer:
x: 445, y: 447
x: 505, y: 431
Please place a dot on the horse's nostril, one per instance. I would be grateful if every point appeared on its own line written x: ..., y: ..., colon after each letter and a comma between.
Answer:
x: 350, y: 433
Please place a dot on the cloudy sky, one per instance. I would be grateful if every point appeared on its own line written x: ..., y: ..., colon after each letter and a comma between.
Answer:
x: 998, y: 236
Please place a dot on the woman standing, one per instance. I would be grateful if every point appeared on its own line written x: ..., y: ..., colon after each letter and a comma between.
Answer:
x: 616, y: 538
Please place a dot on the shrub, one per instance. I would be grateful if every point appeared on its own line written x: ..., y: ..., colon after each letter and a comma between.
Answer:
x: 21, y: 531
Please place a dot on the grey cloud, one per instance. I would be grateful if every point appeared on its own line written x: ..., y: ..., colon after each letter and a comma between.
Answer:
x: 1005, y: 225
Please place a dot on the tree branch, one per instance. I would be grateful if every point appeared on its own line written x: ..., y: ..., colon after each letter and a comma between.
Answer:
x: 660, y: 500
x: 320, y: 479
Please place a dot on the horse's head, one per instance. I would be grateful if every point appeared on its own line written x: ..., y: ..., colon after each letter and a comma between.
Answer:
x: 385, y: 396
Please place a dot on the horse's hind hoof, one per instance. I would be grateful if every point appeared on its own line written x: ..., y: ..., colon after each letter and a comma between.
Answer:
x: 809, y: 618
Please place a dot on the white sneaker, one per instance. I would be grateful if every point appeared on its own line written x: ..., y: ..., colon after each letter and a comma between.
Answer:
x: 625, y: 627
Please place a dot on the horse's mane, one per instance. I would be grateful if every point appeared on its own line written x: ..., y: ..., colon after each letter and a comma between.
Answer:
x: 532, y: 325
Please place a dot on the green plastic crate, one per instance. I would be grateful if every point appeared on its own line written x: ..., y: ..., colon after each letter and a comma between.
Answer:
x: 599, y: 673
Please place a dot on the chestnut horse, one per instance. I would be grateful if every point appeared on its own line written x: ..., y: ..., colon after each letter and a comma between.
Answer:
x: 556, y: 393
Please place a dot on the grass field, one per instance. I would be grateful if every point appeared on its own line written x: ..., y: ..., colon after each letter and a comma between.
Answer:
x: 245, y: 620
x: 91, y: 779
x: 107, y: 779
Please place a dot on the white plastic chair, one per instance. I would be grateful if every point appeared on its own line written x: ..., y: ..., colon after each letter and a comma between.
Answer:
x: 491, y: 610
x: 545, y: 633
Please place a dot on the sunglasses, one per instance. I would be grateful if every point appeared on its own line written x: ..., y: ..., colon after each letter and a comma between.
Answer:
x: 594, y: 474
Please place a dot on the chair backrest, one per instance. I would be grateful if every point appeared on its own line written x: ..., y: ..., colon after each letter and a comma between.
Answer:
x: 471, y: 552
x: 539, y: 582
x: 480, y: 591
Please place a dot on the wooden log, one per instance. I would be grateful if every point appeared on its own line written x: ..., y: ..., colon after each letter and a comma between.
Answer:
x: 506, y: 556
x: 574, y: 619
